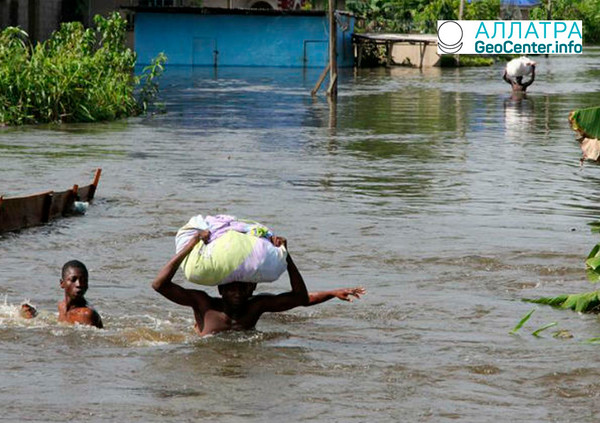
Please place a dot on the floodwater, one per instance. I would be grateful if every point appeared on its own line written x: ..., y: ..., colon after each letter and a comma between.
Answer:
x: 446, y: 199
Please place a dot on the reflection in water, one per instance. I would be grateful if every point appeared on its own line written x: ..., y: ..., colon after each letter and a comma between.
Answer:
x: 518, y: 115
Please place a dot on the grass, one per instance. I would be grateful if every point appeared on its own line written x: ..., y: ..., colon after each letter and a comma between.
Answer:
x: 78, y: 75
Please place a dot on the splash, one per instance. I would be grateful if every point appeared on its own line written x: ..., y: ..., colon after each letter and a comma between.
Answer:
x: 10, y: 315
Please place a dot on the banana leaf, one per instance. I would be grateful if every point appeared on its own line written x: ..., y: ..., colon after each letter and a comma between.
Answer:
x: 594, y: 226
x: 594, y: 252
x: 593, y: 276
x: 590, y: 147
x: 593, y: 264
x: 587, y: 302
x: 586, y: 122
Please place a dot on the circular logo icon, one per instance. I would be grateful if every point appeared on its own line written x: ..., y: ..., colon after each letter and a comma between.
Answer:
x: 450, y: 36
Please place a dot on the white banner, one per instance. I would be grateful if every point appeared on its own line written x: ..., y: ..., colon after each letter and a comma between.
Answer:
x: 509, y: 37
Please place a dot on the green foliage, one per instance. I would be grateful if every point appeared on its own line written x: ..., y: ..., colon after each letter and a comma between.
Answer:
x: 482, y: 10
x: 451, y: 61
x: 522, y: 321
x: 593, y: 264
x: 543, y: 328
x: 593, y: 259
x: 307, y: 6
x: 539, y: 330
x: 381, y: 15
x: 149, y: 79
x: 78, y: 75
x: 416, y: 16
x: 420, y: 16
x: 586, y: 122
x: 587, y: 302
x: 436, y: 10
x: 587, y: 11
x: 594, y: 226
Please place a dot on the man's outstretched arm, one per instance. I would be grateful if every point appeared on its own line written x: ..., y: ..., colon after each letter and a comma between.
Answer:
x: 344, y: 294
x: 163, y: 284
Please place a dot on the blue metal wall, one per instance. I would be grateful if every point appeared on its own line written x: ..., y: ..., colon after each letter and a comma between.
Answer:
x: 240, y: 40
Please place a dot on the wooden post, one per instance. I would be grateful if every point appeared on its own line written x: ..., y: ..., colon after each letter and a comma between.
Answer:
x: 461, y: 9
x: 320, y: 81
x: 388, y: 53
x: 94, y: 185
x: 332, y: 90
x: 548, y: 17
x: 97, y: 176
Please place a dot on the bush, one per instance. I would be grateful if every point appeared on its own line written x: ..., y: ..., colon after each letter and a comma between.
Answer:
x: 78, y: 75
x: 417, y: 15
x: 587, y: 11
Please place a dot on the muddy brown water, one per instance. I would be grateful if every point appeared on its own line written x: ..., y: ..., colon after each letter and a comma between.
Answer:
x: 442, y: 196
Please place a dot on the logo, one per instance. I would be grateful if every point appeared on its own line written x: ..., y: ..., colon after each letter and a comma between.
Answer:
x: 450, y: 35
x: 509, y: 37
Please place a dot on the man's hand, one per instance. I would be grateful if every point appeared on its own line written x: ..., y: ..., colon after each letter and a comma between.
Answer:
x: 278, y: 241
x: 348, y: 294
x: 203, y: 235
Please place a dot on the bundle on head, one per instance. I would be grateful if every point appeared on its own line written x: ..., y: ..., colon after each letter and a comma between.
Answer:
x: 238, y: 251
x: 519, y: 67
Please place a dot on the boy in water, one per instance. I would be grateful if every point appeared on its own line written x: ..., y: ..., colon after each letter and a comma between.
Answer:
x: 518, y: 86
x: 75, y: 308
x: 238, y: 309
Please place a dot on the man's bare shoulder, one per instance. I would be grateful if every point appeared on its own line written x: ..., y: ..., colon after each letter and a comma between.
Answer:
x: 266, y: 302
x: 84, y: 315
x: 263, y: 297
x: 201, y: 298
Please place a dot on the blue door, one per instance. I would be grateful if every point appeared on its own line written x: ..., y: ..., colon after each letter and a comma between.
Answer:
x: 316, y: 53
x: 205, y: 52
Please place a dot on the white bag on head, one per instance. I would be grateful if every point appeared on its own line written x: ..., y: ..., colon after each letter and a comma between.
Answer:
x: 519, y: 67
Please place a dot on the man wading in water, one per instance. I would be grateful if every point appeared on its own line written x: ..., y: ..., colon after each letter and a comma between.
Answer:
x: 518, y: 86
x: 238, y: 309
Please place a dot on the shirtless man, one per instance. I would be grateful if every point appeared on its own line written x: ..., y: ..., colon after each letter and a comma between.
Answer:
x: 75, y: 308
x: 518, y: 86
x: 238, y: 309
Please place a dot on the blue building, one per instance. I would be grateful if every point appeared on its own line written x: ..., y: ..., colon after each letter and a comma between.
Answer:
x: 196, y: 36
